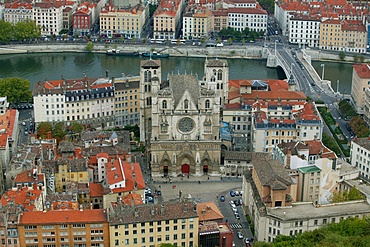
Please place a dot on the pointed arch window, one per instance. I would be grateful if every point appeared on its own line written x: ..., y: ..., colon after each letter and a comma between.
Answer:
x: 186, y: 104
x: 208, y: 104
x: 164, y: 104
x: 219, y: 75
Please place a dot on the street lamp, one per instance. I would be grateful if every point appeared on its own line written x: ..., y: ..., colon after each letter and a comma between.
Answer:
x: 275, y: 46
x: 323, y: 72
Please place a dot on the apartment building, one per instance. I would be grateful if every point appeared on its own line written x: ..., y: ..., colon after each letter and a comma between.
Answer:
x: 366, y: 116
x: 83, y: 18
x: 67, y: 18
x: 343, y: 35
x: 64, y: 228
x: 269, y: 111
x: 86, y: 101
x: 48, y: 16
x: 220, y: 19
x: 126, y: 21
x: 212, y: 233
x: 360, y: 156
x: 269, y: 197
x: 17, y: 11
x: 360, y: 84
x: 69, y: 171
x: 151, y: 225
x: 126, y: 99
x: 304, y: 30
x: 167, y: 19
x: 242, y: 18
x: 197, y: 24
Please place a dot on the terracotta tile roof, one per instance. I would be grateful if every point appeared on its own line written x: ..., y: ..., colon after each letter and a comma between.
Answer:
x: 18, y: 5
x: 208, y: 211
x: 96, y: 190
x: 308, y: 112
x: 27, y: 177
x: 234, y: 106
x: 65, y: 205
x: 353, y: 25
x: 24, y: 197
x: 133, y: 197
x: 87, y: 216
x: 7, y: 122
x: 362, y: 70
x: 273, y: 95
x: 121, y: 214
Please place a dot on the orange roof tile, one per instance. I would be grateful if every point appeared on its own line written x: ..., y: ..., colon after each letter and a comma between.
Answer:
x: 7, y: 122
x: 362, y: 70
x: 63, y: 217
x: 208, y: 211
x: 27, y: 177
x: 133, y: 197
x: 96, y: 190
x: 24, y: 197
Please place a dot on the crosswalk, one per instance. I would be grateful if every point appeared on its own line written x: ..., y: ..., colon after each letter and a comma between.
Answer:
x: 235, y: 225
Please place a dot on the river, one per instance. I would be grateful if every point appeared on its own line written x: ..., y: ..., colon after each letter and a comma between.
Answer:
x: 51, y: 66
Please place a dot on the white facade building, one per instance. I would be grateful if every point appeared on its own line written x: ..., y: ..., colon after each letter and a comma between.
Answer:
x: 241, y: 18
x: 16, y: 12
x: 49, y: 16
x: 304, y: 30
x: 360, y: 156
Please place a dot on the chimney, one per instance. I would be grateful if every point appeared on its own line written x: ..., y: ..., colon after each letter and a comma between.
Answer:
x: 81, y: 208
x: 288, y: 158
x: 162, y: 209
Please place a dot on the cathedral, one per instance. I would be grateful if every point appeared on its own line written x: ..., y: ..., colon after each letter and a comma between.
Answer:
x: 180, y: 118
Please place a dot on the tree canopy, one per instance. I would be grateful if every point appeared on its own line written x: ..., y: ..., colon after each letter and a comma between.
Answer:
x: 231, y: 33
x: 43, y: 128
x: 346, y: 109
x: 20, y: 31
x: 359, y: 127
x: 349, y: 232
x: 15, y: 89
x: 344, y: 196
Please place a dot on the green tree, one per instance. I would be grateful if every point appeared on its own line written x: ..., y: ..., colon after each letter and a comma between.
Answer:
x: 355, y: 58
x: 344, y: 196
x: 59, y: 131
x: 76, y: 127
x: 6, y: 31
x: 16, y: 89
x: 89, y: 47
x: 166, y: 245
x: 362, y: 58
x: 152, y: 9
x: 342, y: 55
x: 230, y: 41
x: 359, y: 127
x: 24, y: 30
x: 43, y: 128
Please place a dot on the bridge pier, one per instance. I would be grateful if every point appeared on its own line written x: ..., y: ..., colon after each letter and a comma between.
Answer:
x: 272, y: 61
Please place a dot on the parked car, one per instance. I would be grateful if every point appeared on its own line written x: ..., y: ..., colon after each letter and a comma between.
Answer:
x: 232, y: 193
x: 220, y: 44
x: 222, y: 198
x: 236, y: 202
x: 150, y: 199
x: 247, y: 241
x: 236, y: 193
x: 237, y: 216
x: 240, y: 235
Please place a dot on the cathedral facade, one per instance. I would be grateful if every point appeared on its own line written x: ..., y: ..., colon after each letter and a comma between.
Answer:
x: 180, y: 119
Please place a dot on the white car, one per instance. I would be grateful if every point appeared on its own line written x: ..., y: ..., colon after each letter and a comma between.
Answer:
x: 237, y: 193
x: 220, y: 44
x: 240, y: 235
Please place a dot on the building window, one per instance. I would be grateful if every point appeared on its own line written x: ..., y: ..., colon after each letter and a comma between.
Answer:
x: 207, y: 104
x: 164, y: 104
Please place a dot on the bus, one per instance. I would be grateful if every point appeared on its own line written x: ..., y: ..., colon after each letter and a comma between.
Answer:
x: 157, y: 41
x: 177, y: 41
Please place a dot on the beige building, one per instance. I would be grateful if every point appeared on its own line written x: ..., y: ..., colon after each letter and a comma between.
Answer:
x: 126, y: 100
x: 360, y: 84
x: 197, y: 24
x: 220, y: 19
x: 151, y: 225
x: 180, y: 120
x: 128, y: 21
x: 343, y: 35
x: 15, y: 12
x: 268, y: 196
x: 367, y: 107
x: 167, y: 19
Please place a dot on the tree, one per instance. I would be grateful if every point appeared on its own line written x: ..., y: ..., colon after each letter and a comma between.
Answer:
x: 230, y: 41
x: 355, y: 58
x: 43, y: 128
x: 89, y: 47
x: 59, y: 131
x: 359, y: 127
x: 362, y: 58
x: 76, y: 127
x: 24, y: 30
x: 15, y: 89
x: 6, y: 31
x: 344, y: 196
x: 342, y: 55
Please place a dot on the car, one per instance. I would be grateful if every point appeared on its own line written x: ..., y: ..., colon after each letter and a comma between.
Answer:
x: 159, y: 192
x: 237, y: 216
x: 232, y: 203
x: 26, y: 133
x: 147, y: 190
x: 236, y: 202
x: 25, y: 128
x: 313, y: 84
x: 220, y: 44
x: 240, y: 201
x: 232, y: 193
x: 240, y: 193
x: 150, y: 199
x: 247, y: 241
x: 236, y: 193
x: 240, y: 235
x: 222, y: 198
x: 24, y: 123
